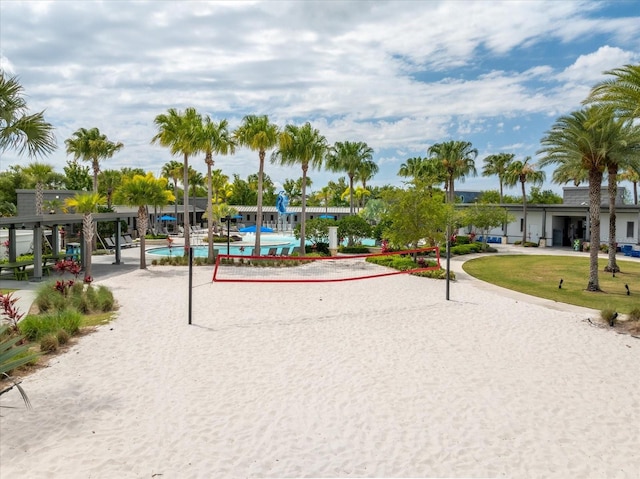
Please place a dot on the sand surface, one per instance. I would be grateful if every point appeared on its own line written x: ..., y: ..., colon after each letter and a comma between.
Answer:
x: 372, y: 378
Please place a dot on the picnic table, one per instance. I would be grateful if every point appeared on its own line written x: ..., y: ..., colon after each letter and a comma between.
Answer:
x: 19, y: 269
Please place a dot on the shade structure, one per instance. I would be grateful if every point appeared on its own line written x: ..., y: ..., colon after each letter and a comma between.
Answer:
x: 167, y: 218
x: 252, y: 229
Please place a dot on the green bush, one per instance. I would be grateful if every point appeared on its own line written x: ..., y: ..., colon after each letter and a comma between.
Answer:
x: 436, y: 274
x: 49, y: 343
x: 359, y: 249
x: 35, y: 327
x: 460, y: 239
x: 466, y: 249
x: 63, y: 336
x: 608, y: 316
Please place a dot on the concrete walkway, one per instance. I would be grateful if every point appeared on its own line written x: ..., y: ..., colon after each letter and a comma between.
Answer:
x: 102, y: 267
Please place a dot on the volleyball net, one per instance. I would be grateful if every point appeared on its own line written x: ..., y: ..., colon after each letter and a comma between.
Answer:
x: 318, y: 269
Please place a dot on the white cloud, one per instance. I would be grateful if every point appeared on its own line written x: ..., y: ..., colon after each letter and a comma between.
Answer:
x: 398, y: 75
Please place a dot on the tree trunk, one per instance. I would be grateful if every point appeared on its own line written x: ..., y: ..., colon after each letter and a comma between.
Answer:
x: 185, y: 200
x: 612, y: 188
x: 87, y: 231
x: 595, y: 180
x: 303, y: 213
x: 39, y: 197
x: 209, y: 162
x: 524, y: 214
x: 142, y: 229
x: 259, y: 206
x: 351, y: 209
x: 635, y: 192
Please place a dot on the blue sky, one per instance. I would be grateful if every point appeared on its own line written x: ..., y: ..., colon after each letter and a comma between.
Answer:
x: 397, y: 75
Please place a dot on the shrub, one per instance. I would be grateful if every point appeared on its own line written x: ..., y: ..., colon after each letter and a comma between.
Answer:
x: 462, y: 240
x: 63, y: 336
x: 436, y: 274
x: 35, y: 327
x: 608, y: 316
x: 49, y: 343
x: 466, y: 249
x: 104, y: 299
x: 359, y: 249
x: 634, y: 314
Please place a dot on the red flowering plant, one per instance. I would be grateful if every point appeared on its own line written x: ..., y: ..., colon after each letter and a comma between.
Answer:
x: 9, y: 310
x: 71, y: 266
x: 385, y: 246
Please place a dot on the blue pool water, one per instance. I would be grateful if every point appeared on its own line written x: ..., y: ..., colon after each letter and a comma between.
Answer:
x: 243, y: 248
x: 240, y: 247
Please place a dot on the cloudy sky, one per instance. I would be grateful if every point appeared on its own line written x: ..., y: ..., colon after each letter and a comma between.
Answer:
x: 397, y: 75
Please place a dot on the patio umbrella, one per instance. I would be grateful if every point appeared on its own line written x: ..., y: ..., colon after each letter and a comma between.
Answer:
x: 252, y: 229
x: 167, y: 218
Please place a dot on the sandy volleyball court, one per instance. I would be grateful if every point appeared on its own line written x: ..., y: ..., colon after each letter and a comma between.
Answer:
x: 372, y: 378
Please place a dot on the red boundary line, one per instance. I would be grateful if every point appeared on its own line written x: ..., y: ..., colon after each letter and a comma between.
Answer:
x: 326, y: 258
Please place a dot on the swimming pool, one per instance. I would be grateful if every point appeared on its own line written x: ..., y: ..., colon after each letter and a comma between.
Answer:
x: 243, y: 247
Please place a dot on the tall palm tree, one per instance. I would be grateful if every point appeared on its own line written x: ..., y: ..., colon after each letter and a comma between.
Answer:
x: 615, y: 162
x: 585, y: 139
x: 219, y: 182
x: 413, y: 167
x: 108, y: 180
x: 348, y: 157
x: 41, y: 174
x: 215, y: 139
x: 92, y: 146
x: 304, y: 146
x: 172, y: 170
x: 20, y: 130
x: 497, y: 165
x: 523, y: 172
x: 458, y: 161
x: 142, y: 191
x: 87, y: 204
x: 178, y: 132
x: 196, y: 183
x: 367, y: 170
x: 622, y: 93
x: 258, y: 134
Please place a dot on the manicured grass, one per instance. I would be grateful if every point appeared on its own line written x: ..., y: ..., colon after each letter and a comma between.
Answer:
x: 539, y: 275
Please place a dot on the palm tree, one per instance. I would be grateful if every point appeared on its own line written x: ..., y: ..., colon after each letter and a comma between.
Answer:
x: 91, y: 145
x: 304, y: 146
x: 172, y: 170
x: 18, y: 129
x: 497, y: 165
x: 196, y: 183
x: 258, y: 134
x: 87, y: 204
x: 141, y: 191
x: 41, y: 174
x: 458, y: 161
x: 108, y: 180
x: 413, y: 167
x: 178, y: 132
x: 622, y: 93
x: 366, y: 171
x: 348, y: 157
x: 219, y: 186
x: 633, y: 176
x: 214, y: 138
x: 523, y: 172
x: 585, y: 140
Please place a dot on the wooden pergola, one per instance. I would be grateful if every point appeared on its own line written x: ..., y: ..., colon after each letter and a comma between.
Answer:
x: 37, y: 223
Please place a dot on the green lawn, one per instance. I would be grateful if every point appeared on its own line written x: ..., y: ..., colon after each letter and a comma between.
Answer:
x: 539, y: 275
